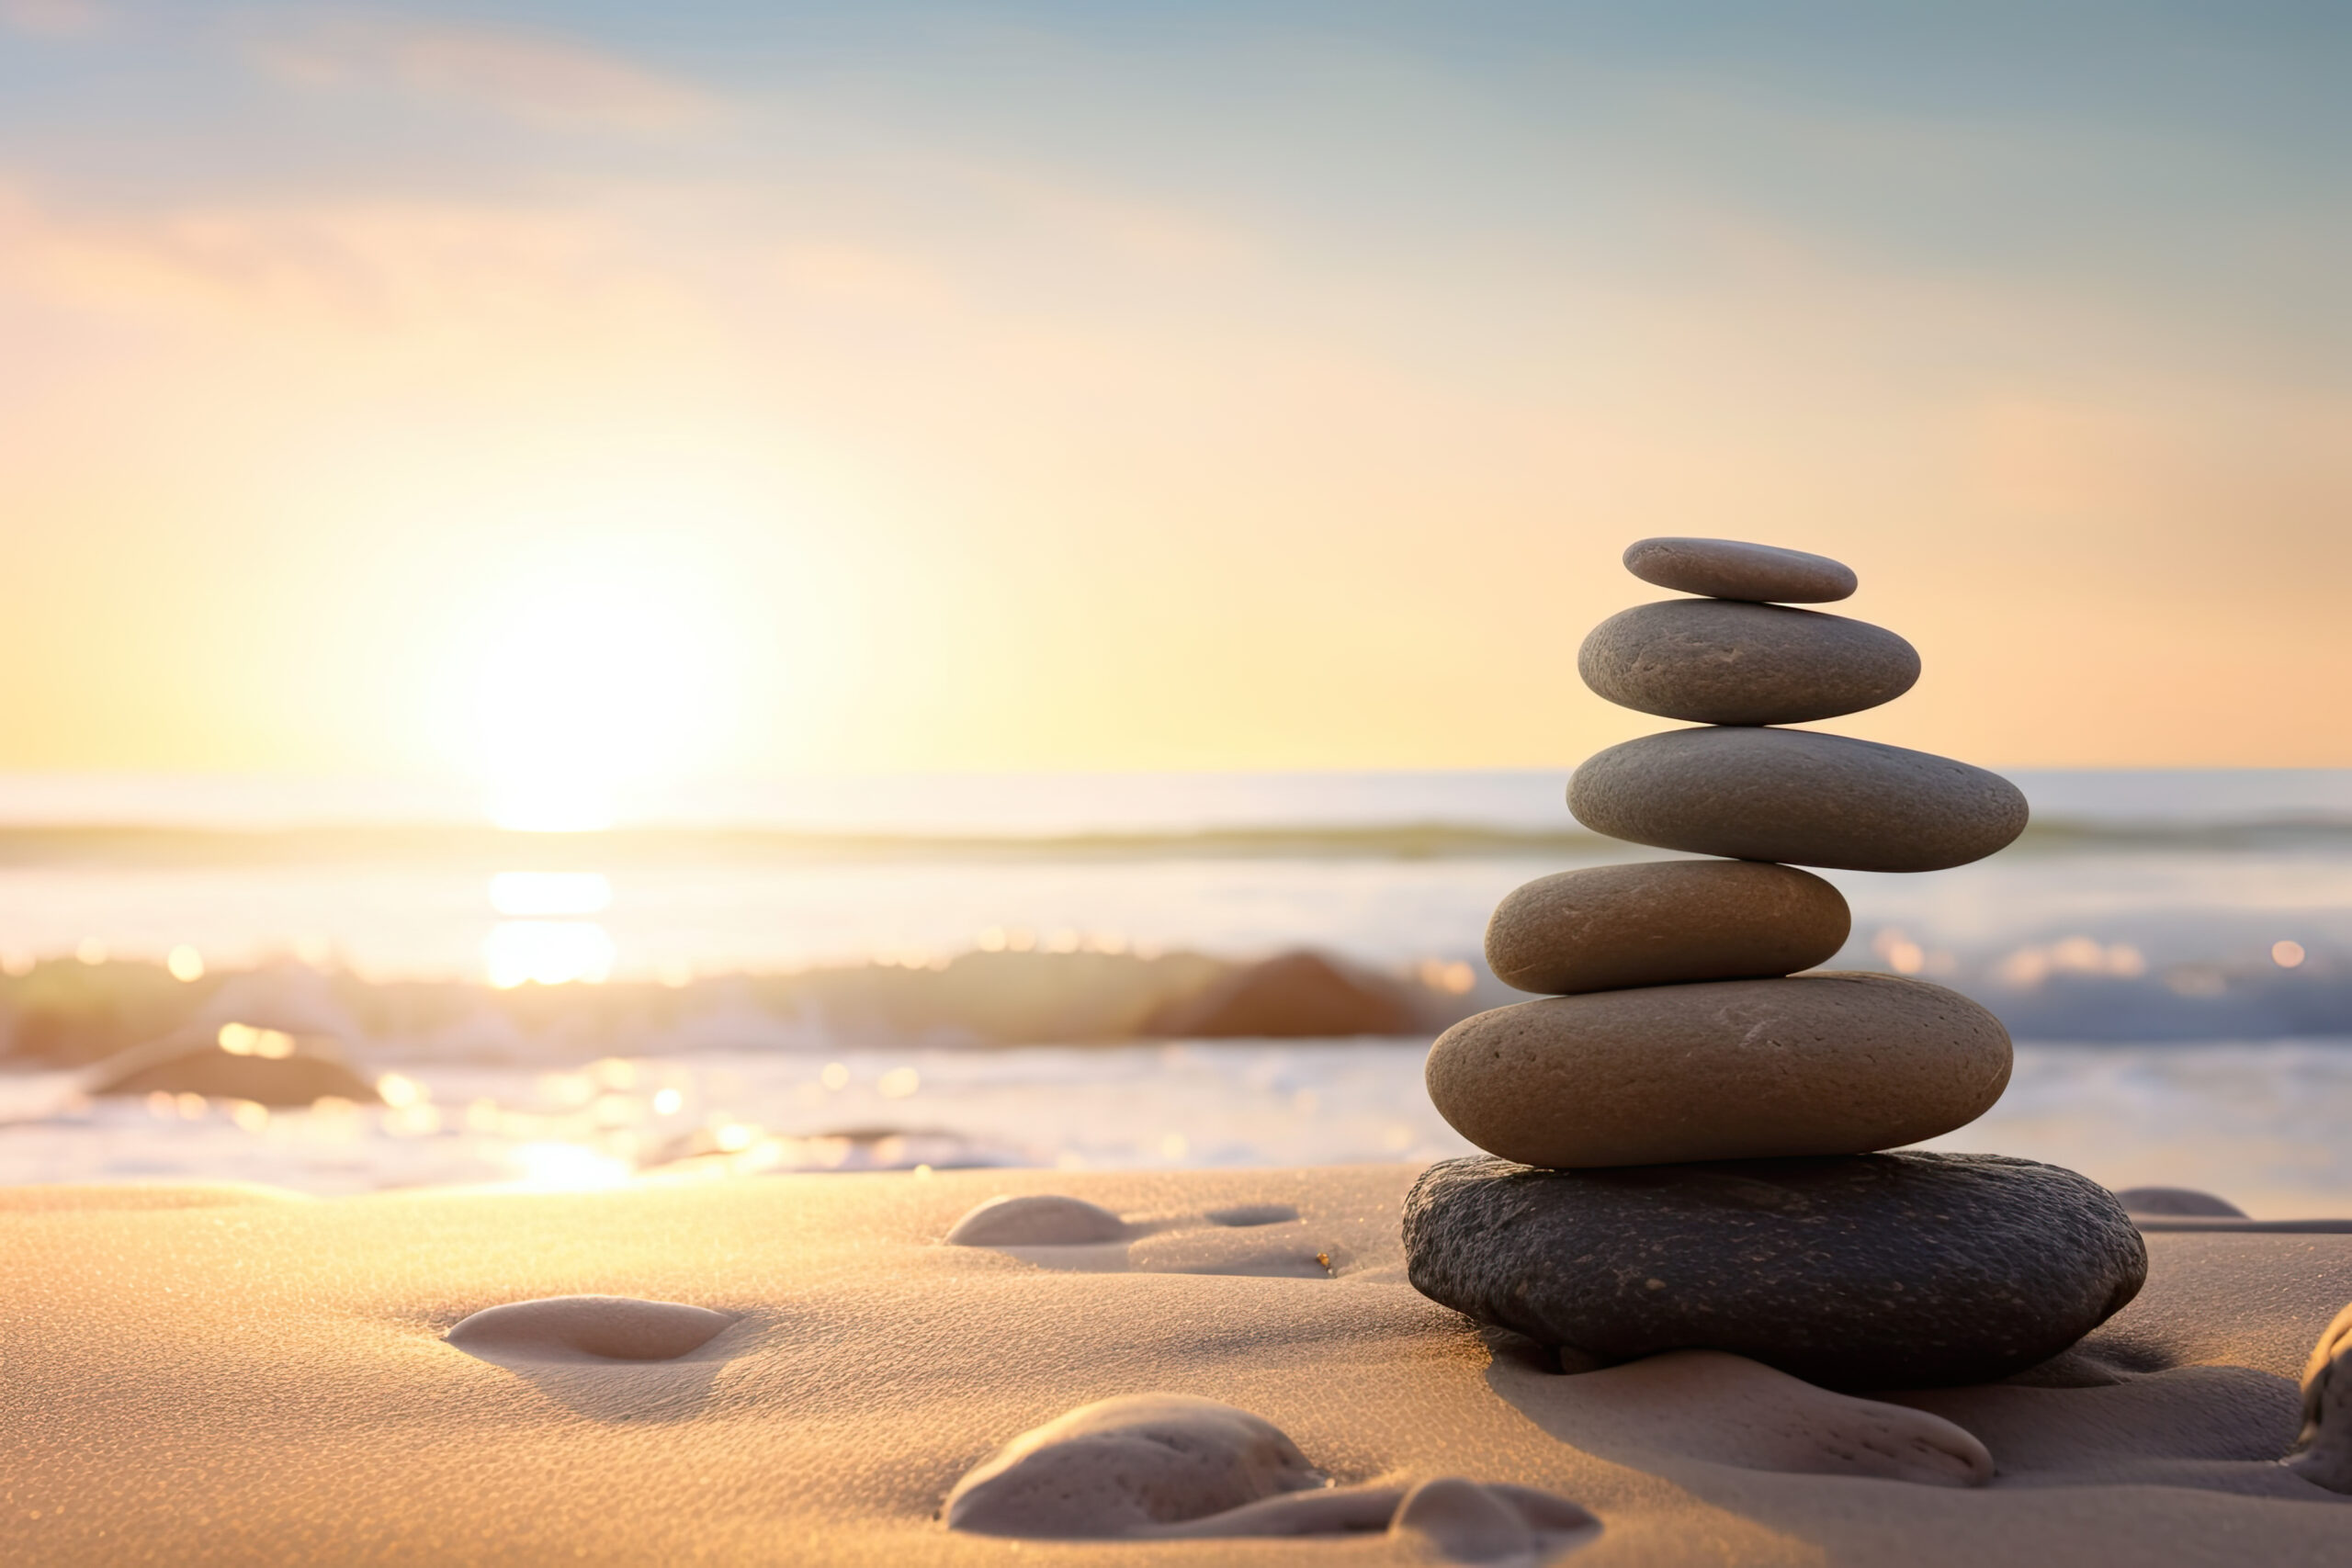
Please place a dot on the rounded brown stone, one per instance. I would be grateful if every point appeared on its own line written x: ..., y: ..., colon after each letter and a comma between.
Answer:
x: 1797, y: 796
x: 1731, y: 1069
x: 1608, y: 927
x: 1733, y: 569
x: 1718, y: 661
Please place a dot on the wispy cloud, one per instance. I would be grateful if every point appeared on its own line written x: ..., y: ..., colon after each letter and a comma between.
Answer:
x: 363, y: 266
x: 533, y: 76
x: 53, y: 18
x: 1075, y: 362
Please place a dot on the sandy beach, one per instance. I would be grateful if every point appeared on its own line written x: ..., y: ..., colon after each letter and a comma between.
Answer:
x: 223, y: 1375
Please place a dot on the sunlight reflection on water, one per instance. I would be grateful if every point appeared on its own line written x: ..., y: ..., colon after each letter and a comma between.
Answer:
x: 2261, y: 1124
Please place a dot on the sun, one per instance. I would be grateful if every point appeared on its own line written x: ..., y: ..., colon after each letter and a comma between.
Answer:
x: 602, y: 678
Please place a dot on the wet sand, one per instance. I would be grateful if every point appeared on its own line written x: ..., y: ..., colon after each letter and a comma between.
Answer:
x: 227, y: 1375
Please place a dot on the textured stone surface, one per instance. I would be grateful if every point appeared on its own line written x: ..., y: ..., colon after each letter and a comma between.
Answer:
x: 1717, y: 661
x: 1661, y: 922
x: 1868, y: 1271
x: 2323, y: 1452
x: 1794, y: 796
x: 1730, y: 568
x: 1731, y: 1069
x: 1122, y: 1465
x: 588, y: 1328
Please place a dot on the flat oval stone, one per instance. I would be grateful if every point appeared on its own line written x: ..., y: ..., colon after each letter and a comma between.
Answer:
x: 588, y: 1328
x: 1607, y: 927
x: 1731, y: 1069
x: 1795, y: 795
x: 1716, y: 661
x: 1904, y: 1270
x: 1731, y: 568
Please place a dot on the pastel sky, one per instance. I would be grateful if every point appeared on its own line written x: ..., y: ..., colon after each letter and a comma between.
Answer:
x: 746, y: 388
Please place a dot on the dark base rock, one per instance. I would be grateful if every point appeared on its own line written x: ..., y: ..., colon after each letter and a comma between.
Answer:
x: 1902, y: 1270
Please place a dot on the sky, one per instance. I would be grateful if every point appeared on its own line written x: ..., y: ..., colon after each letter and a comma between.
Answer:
x: 589, y: 392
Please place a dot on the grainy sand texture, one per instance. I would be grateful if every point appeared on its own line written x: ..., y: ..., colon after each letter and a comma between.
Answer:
x: 797, y: 1369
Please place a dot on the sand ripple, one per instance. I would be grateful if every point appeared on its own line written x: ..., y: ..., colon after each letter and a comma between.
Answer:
x: 1725, y: 1409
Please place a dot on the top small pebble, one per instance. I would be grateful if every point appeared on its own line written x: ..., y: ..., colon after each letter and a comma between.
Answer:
x: 1728, y: 568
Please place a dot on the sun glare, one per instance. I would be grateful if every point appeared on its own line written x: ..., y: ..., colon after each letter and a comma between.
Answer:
x: 601, y: 679
x: 546, y: 953
x: 541, y: 892
x: 565, y: 1168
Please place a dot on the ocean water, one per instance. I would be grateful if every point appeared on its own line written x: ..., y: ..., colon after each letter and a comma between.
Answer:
x: 2261, y: 1124
x: 2173, y: 951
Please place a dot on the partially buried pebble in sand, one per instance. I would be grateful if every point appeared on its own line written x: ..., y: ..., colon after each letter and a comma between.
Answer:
x: 1170, y: 1466
x: 588, y: 1328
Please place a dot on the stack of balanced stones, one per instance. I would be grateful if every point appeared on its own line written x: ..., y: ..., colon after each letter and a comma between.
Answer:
x: 1684, y: 1130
